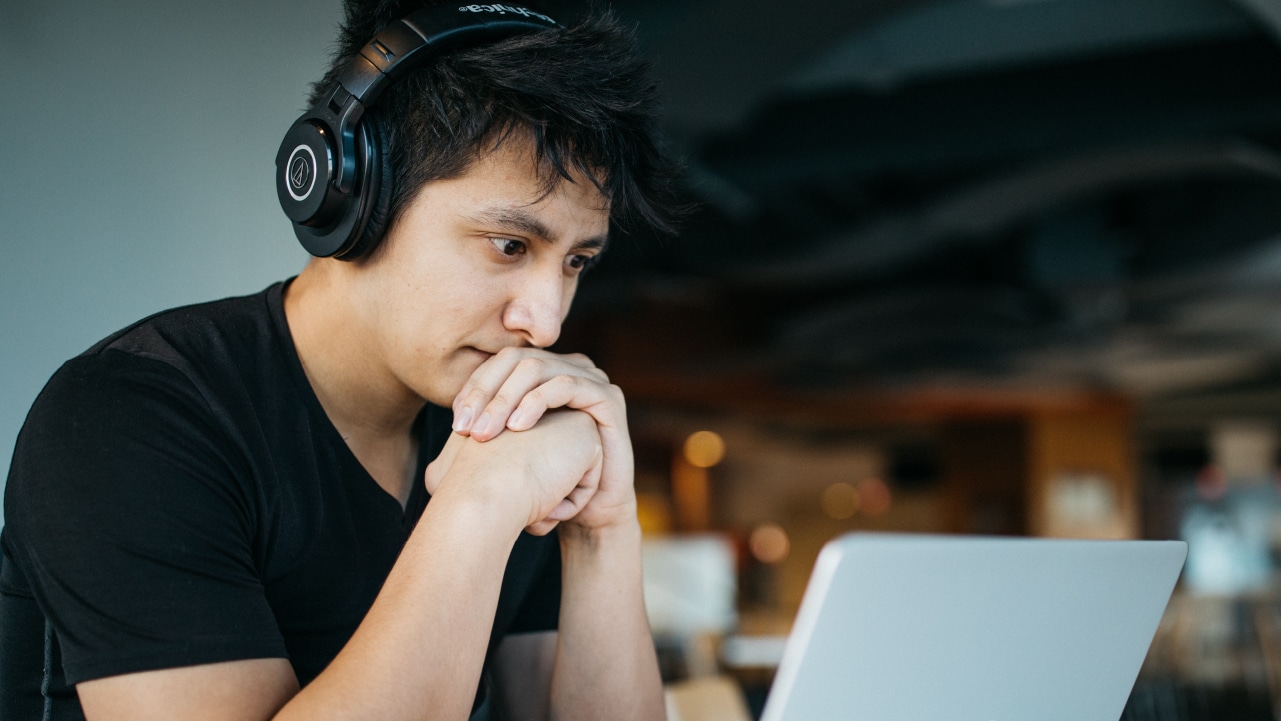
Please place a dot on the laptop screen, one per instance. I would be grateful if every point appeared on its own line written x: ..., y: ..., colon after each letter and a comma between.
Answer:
x: 956, y: 628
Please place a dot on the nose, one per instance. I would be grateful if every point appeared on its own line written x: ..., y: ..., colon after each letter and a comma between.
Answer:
x: 536, y: 308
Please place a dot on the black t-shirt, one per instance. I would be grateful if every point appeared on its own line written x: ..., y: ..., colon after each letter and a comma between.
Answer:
x: 178, y: 496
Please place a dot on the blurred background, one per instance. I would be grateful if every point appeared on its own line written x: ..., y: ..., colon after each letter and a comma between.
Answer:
x: 1006, y: 267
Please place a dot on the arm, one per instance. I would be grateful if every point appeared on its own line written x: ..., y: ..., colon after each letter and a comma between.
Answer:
x: 605, y: 665
x: 419, y: 651
x: 537, y: 672
x: 605, y: 661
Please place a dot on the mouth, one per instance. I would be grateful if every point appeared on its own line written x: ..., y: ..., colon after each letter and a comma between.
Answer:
x: 501, y: 347
x: 484, y: 354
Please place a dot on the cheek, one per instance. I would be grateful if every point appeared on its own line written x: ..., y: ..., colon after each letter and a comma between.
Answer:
x: 567, y: 297
x: 426, y: 297
x: 436, y: 322
x: 440, y: 298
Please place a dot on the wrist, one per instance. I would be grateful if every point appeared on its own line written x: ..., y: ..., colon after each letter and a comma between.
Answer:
x: 495, y: 501
x: 625, y: 533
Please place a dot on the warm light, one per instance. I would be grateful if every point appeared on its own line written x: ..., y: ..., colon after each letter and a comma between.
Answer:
x: 769, y: 543
x: 704, y: 449
x: 873, y: 496
x: 654, y: 513
x: 840, y: 501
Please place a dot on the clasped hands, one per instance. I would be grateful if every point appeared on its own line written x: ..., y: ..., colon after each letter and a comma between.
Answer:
x: 551, y: 431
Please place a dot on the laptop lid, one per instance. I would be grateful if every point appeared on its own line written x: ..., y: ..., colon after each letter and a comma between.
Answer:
x: 957, y: 628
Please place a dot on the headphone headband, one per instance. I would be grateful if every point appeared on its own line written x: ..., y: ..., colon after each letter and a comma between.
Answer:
x: 349, y: 167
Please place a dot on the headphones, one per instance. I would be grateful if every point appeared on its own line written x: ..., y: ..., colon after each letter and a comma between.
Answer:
x: 331, y: 178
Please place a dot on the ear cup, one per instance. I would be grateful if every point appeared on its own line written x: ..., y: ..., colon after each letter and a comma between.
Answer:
x: 370, y: 232
x: 333, y: 228
x: 304, y: 169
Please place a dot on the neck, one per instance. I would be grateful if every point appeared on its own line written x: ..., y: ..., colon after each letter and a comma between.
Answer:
x: 362, y: 398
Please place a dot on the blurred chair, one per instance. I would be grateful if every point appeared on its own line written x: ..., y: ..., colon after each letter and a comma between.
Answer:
x: 690, y: 584
x: 711, y: 698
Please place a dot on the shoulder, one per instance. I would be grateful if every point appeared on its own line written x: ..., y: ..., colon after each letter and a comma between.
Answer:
x: 161, y: 399
x: 174, y: 362
x: 191, y: 336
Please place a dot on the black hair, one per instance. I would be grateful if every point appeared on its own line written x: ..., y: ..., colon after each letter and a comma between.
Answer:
x: 581, y: 93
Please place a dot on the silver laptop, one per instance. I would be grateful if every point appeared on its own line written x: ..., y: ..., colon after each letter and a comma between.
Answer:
x: 957, y: 628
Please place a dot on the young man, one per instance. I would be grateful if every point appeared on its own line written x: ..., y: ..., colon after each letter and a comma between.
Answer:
x: 222, y: 511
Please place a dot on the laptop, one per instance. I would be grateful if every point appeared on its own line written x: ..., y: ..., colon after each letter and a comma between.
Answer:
x: 962, y: 628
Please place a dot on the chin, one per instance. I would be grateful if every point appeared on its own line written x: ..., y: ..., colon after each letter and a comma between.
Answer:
x: 444, y: 388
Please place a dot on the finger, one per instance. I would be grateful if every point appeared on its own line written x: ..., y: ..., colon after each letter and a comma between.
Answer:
x: 603, y: 402
x: 481, y: 387
x: 484, y: 384
x: 573, y: 503
x: 490, y: 374
x: 526, y: 377
x: 541, y: 528
x: 581, y: 494
x: 561, y: 391
x: 563, y: 511
x: 606, y: 406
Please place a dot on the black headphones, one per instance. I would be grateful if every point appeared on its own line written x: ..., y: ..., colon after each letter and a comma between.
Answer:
x: 330, y: 176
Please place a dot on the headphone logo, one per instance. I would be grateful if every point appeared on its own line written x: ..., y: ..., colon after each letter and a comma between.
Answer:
x: 298, y: 175
x: 301, y: 172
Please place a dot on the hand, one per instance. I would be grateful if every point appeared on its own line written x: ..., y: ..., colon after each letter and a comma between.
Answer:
x: 516, y: 387
x: 549, y: 473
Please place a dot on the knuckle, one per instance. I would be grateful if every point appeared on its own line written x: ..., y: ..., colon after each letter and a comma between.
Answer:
x: 531, y: 366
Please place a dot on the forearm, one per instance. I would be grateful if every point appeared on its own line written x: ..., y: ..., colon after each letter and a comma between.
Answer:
x: 605, y: 661
x: 419, y: 651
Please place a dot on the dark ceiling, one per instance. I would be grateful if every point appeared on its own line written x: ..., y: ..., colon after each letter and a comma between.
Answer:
x: 1026, y: 193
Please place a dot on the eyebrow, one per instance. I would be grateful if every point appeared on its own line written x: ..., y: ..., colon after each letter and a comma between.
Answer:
x: 522, y: 221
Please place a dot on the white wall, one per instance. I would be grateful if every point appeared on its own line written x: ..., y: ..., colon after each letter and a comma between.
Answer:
x: 137, y: 141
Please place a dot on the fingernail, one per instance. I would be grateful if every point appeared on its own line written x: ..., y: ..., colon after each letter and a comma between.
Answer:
x: 463, y: 421
x: 514, y: 419
x: 482, y: 423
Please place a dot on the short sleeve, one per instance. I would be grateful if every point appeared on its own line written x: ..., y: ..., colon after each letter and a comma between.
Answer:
x: 129, y: 511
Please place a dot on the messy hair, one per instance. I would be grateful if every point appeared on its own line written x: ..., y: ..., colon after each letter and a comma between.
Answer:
x: 580, y: 93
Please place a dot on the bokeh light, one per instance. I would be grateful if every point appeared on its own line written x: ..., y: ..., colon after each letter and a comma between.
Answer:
x: 704, y: 449
x: 769, y: 543
x: 840, y: 501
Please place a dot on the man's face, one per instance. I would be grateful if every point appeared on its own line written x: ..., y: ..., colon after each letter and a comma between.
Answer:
x: 475, y: 264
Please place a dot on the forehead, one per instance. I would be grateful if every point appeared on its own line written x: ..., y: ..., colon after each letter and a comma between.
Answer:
x: 509, y: 180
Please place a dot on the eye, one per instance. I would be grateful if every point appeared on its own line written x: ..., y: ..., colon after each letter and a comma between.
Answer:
x: 509, y: 246
x: 580, y: 263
